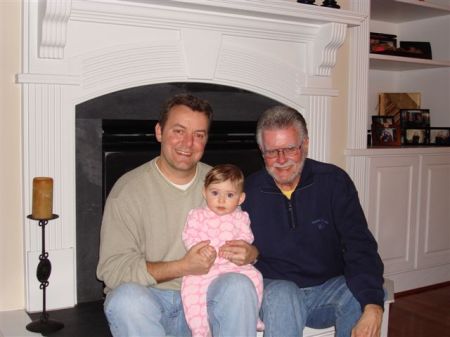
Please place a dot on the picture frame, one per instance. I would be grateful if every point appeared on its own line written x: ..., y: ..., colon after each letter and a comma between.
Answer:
x: 381, y: 43
x: 383, y: 121
x: 414, y: 118
x: 415, y: 49
x: 439, y: 136
x: 385, y: 132
x: 415, y: 136
x: 390, y: 103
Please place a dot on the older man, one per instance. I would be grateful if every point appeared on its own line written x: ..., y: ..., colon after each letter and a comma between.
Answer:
x: 318, y: 258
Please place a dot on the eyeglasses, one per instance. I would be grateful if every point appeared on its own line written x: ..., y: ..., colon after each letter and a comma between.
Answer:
x: 286, y: 151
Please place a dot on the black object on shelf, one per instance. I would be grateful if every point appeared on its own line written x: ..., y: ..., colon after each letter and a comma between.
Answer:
x: 308, y: 2
x: 44, y: 325
x: 330, y: 3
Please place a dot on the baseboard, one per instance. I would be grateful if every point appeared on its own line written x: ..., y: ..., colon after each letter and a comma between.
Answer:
x: 421, y: 289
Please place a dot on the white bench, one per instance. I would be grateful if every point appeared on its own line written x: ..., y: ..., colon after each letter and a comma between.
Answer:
x: 329, y: 332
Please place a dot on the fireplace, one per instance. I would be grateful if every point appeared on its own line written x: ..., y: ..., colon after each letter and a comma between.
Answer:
x: 115, y: 133
x: 78, y: 51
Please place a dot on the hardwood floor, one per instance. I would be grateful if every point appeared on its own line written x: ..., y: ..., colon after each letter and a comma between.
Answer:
x: 418, y: 313
x: 421, y: 314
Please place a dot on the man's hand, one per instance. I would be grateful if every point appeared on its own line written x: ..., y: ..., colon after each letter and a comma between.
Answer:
x: 369, y: 324
x: 239, y: 252
x: 199, y: 259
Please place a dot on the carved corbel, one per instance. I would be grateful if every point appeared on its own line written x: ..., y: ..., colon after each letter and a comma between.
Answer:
x: 329, y: 38
x: 53, y: 27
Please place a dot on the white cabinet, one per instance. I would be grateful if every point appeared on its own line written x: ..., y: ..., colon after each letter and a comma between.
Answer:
x: 407, y: 204
x: 434, y: 219
x: 391, y: 208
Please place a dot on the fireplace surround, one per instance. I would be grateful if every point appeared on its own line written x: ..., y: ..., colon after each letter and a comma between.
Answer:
x: 78, y: 50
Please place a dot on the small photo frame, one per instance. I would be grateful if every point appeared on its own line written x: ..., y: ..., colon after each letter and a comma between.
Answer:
x: 383, y: 121
x: 384, y: 132
x: 415, y: 118
x: 439, y: 136
x: 415, y: 49
x: 415, y: 136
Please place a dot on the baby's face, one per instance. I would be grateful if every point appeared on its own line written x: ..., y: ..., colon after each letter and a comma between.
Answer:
x: 223, y: 198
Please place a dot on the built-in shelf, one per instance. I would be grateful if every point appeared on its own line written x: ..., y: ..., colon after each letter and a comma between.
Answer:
x: 400, y: 63
x: 398, y: 150
x: 406, y: 10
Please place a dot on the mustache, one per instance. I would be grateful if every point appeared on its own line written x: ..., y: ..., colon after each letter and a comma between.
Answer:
x: 290, y: 162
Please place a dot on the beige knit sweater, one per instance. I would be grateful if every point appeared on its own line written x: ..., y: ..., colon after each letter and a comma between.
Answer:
x: 143, y: 220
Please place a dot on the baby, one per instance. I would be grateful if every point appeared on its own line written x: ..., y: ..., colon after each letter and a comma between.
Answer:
x: 219, y: 221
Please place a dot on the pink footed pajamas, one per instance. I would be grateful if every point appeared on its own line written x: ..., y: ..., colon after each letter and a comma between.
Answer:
x: 203, y: 224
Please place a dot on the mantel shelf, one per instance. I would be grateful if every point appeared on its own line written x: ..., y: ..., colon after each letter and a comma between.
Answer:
x: 398, y: 11
x: 388, y: 62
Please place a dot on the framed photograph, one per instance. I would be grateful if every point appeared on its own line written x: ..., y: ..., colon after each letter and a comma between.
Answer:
x: 415, y: 49
x: 439, y: 136
x: 383, y: 121
x: 385, y: 134
x: 390, y: 103
x: 382, y: 43
x: 415, y: 136
x: 415, y: 118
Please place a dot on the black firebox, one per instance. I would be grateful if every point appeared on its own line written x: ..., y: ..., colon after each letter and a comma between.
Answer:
x: 127, y: 144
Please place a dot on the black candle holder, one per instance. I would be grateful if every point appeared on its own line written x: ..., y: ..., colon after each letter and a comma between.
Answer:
x: 44, y: 325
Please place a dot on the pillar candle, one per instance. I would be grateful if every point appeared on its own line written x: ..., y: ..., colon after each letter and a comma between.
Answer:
x: 42, y: 198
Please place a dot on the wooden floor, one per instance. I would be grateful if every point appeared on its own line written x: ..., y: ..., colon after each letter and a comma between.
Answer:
x: 413, y: 314
x: 422, y: 314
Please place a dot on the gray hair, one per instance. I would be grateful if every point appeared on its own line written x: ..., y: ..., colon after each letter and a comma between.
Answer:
x: 280, y: 117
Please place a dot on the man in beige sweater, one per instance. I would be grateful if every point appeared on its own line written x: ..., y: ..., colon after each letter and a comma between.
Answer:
x: 142, y: 257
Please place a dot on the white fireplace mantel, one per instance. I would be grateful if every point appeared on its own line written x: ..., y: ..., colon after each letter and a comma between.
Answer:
x: 75, y: 50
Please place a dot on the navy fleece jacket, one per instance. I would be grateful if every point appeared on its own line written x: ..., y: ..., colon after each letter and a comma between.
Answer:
x: 320, y: 233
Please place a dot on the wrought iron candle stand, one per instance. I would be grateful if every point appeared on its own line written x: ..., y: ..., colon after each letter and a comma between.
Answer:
x: 44, y: 325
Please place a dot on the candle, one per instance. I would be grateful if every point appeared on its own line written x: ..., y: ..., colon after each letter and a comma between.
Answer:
x: 42, y: 198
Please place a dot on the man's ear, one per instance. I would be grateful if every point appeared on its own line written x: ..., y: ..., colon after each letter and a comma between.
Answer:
x: 241, y: 198
x: 158, y: 132
x: 305, y: 144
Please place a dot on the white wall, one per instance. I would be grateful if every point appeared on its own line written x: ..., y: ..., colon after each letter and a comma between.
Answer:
x: 11, y: 232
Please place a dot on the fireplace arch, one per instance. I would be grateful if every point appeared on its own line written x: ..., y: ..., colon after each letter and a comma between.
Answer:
x: 114, y: 133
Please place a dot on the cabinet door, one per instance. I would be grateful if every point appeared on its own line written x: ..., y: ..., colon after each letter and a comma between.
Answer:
x: 392, y: 209
x: 434, y: 225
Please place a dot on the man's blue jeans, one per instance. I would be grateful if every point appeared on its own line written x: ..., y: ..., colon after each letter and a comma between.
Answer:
x: 287, y: 309
x: 133, y: 310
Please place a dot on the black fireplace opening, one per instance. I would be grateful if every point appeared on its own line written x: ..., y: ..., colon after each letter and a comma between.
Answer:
x: 127, y: 144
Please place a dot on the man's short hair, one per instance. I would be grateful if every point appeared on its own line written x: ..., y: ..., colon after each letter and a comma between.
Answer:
x: 192, y: 102
x: 280, y: 117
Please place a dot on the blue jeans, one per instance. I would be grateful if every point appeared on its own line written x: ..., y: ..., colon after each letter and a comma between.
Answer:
x: 287, y: 309
x: 133, y: 310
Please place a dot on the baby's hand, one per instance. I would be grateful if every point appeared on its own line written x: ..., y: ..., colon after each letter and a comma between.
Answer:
x: 208, y: 252
x: 239, y: 252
